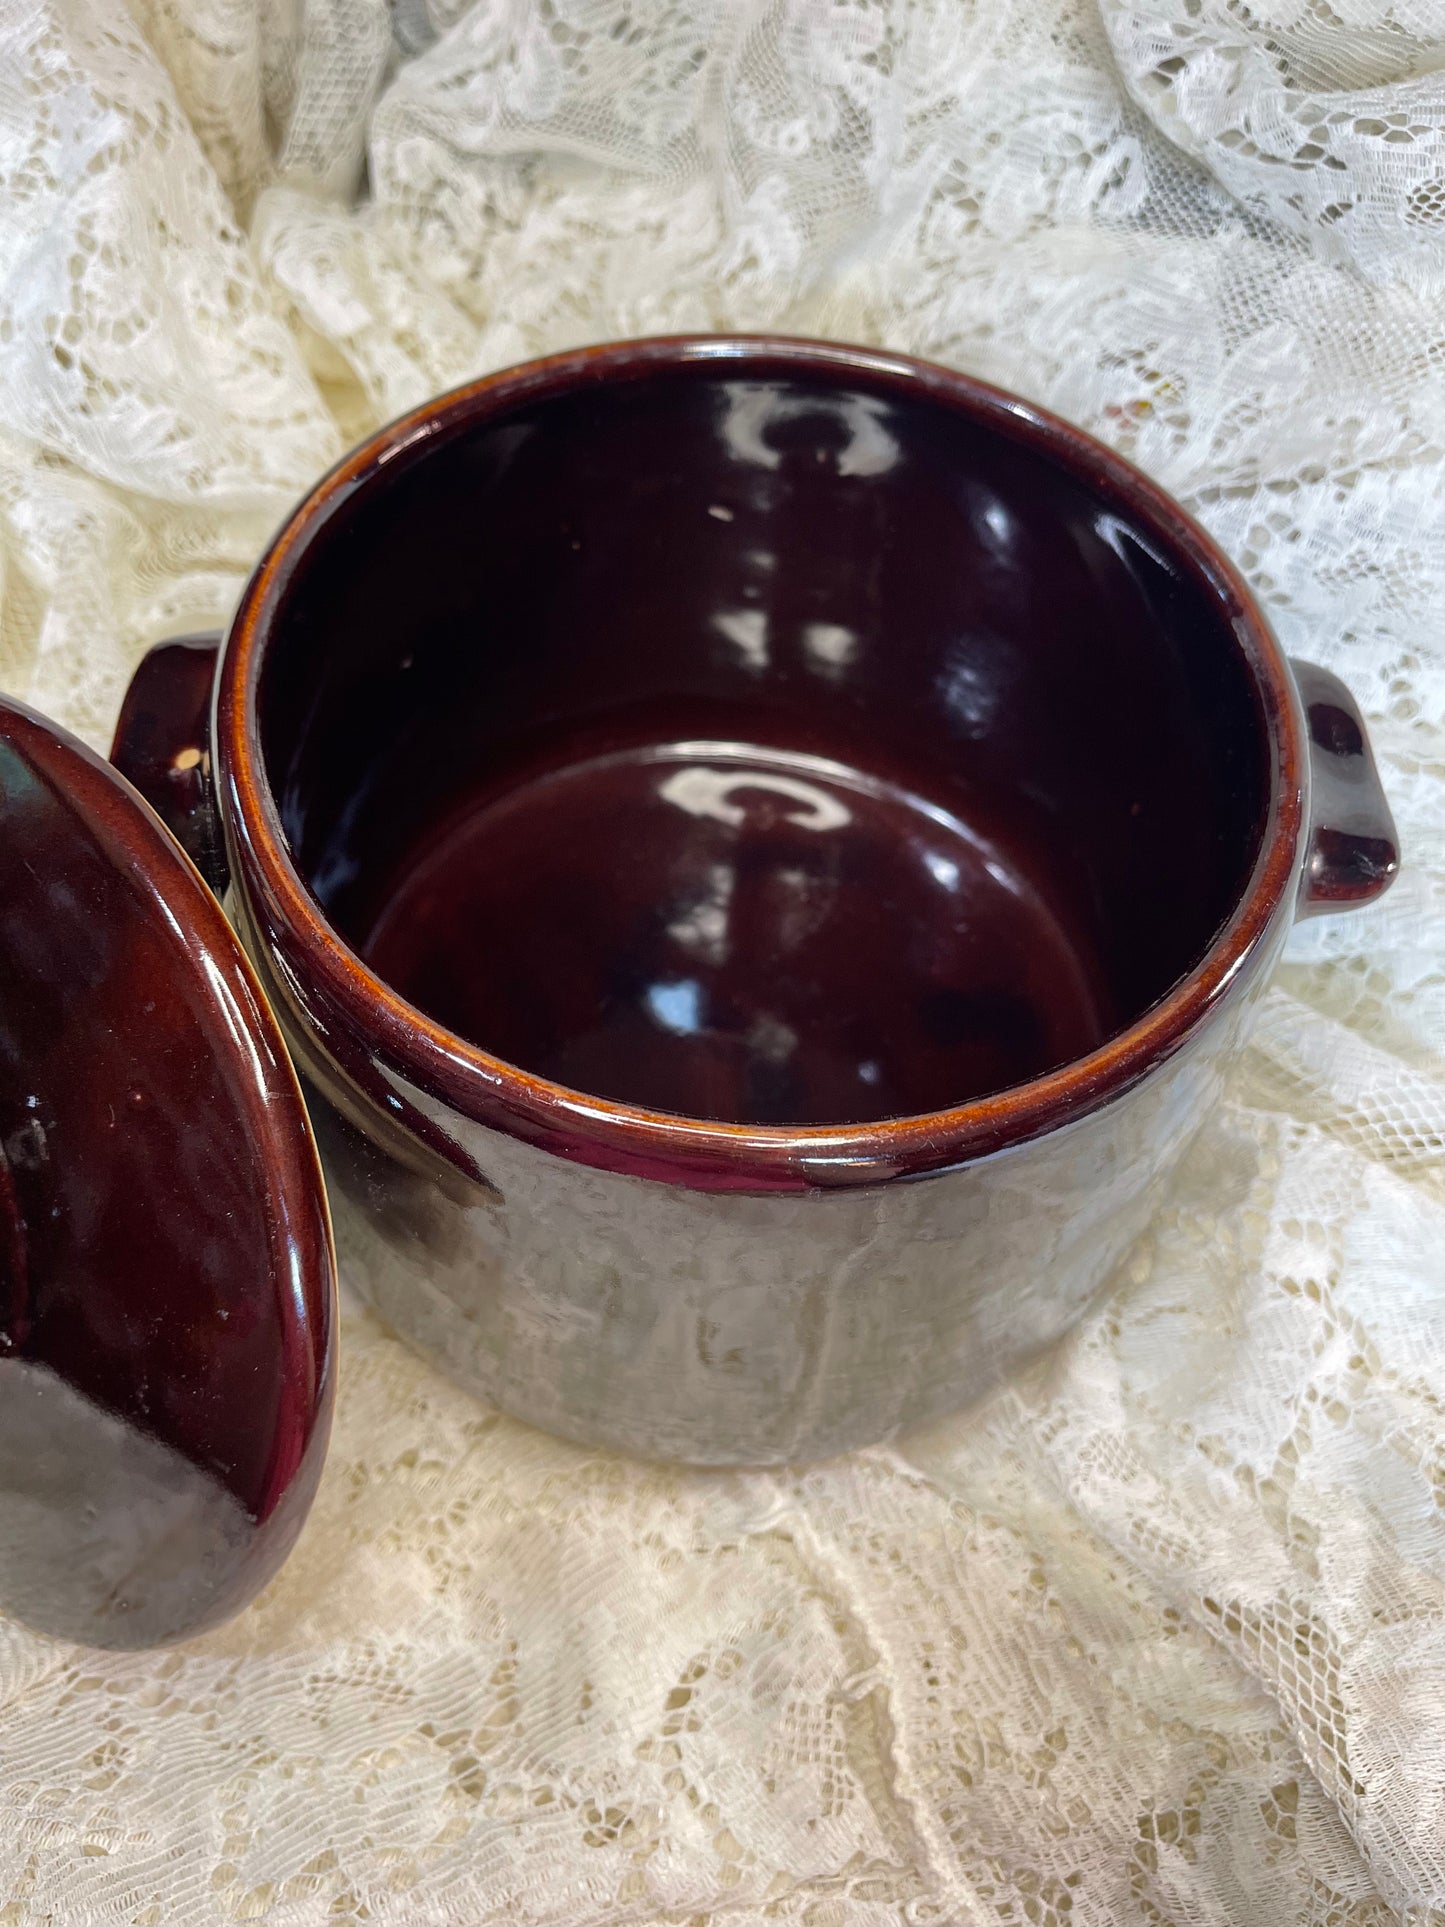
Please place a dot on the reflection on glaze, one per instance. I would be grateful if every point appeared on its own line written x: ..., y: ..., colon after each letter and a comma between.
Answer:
x: 729, y: 931
x: 831, y: 646
x: 972, y: 687
x: 996, y: 526
x: 724, y: 1328
x: 107, y: 1534
x: 723, y: 792
x: 1130, y: 543
x: 762, y: 419
x: 678, y: 1007
x: 747, y: 631
x: 165, y: 1263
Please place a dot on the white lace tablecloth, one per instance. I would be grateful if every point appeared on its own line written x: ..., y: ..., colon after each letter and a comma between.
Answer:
x: 1157, y: 1636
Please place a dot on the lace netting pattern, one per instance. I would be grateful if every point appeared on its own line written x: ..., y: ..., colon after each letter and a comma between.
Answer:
x: 1157, y: 1635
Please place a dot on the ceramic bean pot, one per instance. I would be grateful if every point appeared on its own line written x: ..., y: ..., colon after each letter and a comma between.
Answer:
x: 761, y: 854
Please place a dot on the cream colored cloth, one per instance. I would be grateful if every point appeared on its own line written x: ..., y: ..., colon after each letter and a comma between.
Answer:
x: 1157, y: 1636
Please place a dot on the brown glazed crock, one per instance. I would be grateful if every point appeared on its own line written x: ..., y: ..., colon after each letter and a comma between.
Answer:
x: 653, y: 537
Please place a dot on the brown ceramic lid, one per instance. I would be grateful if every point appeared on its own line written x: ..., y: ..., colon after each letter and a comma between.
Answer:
x: 167, y: 1282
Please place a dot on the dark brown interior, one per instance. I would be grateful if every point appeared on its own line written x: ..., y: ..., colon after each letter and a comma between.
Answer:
x: 813, y: 564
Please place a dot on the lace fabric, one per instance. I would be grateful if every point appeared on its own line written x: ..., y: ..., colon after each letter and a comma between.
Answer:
x: 1156, y: 1635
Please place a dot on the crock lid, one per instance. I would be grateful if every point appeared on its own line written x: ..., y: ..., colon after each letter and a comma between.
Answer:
x: 167, y: 1282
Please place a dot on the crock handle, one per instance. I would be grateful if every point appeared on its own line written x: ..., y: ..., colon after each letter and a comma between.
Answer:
x: 162, y: 746
x: 1354, y: 851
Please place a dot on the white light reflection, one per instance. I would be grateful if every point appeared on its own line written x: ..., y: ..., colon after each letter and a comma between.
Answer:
x: 971, y: 690
x: 830, y: 645
x: 703, y: 929
x: 753, y: 408
x: 237, y: 1023
x: 750, y: 408
x: 772, y: 1040
x: 872, y: 451
x: 677, y: 1007
x: 710, y: 792
x: 999, y: 523
x: 1129, y: 542
x: 747, y: 630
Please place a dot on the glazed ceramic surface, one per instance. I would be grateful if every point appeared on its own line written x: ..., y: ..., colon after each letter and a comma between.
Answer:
x: 762, y: 854
x: 166, y: 1275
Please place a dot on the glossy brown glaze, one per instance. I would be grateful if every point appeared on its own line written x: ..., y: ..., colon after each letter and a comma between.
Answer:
x: 1354, y: 851
x: 162, y: 742
x: 811, y: 549
x: 166, y: 1277
x: 451, y: 699
x: 730, y: 931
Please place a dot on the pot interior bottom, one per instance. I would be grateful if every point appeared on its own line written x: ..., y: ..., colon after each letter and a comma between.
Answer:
x: 732, y: 931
